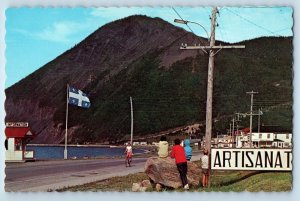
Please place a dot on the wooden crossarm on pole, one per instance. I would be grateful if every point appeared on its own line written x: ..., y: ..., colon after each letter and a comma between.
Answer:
x: 211, y: 47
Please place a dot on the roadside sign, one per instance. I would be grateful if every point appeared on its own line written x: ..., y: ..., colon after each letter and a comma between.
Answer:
x: 251, y: 159
x: 16, y: 124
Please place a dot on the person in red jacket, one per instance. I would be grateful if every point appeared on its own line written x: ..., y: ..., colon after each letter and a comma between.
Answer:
x: 178, y: 153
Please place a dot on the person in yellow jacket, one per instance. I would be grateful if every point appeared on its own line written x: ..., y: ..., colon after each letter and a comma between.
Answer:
x: 163, y: 147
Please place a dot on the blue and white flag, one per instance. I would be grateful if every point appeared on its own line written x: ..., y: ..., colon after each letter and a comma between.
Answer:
x: 78, y: 98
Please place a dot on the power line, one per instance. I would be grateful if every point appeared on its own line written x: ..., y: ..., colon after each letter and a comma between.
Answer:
x: 207, y: 11
x: 249, y: 21
x: 183, y: 20
x: 188, y: 27
x: 223, y: 34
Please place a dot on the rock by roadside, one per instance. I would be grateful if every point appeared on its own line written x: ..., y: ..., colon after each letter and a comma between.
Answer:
x: 164, y: 171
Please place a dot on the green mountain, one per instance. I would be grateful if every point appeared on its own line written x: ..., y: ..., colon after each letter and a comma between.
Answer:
x: 139, y: 57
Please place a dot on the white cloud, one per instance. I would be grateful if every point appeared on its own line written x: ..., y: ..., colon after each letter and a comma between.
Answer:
x: 70, y: 31
x: 22, y: 31
x: 59, y: 31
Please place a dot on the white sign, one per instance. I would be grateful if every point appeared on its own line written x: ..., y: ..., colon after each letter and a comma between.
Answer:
x: 251, y: 159
x: 16, y: 124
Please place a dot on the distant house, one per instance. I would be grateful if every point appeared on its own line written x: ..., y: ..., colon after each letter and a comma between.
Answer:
x: 262, y: 140
x: 155, y: 143
x: 225, y: 141
x: 282, y: 140
x: 136, y: 143
x: 265, y: 140
x: 268, y: 137
x: 242, y: 141
x: 221, y: 141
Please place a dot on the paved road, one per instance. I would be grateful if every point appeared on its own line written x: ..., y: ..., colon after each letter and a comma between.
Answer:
x: 51, y: 175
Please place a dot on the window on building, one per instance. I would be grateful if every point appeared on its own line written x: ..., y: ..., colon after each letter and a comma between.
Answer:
x: 275, y: 136
x: 287, y: 136
x: 260, y: 136
x: 18, y: 144
x: 268, y: 136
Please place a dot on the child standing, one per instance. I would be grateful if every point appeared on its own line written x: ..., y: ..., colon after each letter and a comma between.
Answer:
x: 163, y: 147
x: 177, y: 152
x: 128, y: 152
x: 204, y: 166
x: 188, y: 149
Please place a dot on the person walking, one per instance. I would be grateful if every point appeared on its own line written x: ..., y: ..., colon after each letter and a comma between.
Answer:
x: 188, y: 149
x: 205, y: 166
x: 163, y: 147
x: 128, y: 157
x: 177, y: 152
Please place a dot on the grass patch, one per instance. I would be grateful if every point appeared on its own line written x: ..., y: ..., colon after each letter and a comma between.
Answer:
x: 267, y: 182
x: 120, y: 184
x: 224, y: 181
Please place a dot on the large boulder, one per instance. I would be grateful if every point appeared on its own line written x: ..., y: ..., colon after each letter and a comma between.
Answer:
x: 164, y: 171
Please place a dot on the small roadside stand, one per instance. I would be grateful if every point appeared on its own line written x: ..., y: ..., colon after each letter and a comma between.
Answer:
x: 17, y: 134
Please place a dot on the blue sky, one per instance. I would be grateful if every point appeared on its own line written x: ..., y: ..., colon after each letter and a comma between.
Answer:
x: 35, y: 36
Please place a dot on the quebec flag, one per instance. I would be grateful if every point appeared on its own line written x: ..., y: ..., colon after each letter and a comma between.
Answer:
x: 78, y: 98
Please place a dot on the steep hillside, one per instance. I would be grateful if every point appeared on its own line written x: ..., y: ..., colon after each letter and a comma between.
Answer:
x: 140, y: 57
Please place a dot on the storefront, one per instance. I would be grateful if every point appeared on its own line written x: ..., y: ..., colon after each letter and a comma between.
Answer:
x: 17, y: 137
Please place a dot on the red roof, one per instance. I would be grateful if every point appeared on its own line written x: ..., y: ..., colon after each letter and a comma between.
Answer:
x: 21, y: 132
x: 246, y: 130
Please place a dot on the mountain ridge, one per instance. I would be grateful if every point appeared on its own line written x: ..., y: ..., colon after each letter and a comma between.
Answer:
x: 136, y: 56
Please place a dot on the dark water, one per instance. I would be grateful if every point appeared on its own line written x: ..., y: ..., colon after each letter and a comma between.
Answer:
x: 57, y: 152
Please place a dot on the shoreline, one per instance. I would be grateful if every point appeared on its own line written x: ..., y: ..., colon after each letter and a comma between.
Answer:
x: 73, y: 145
x: 87, y: 145
x: 145, y: 151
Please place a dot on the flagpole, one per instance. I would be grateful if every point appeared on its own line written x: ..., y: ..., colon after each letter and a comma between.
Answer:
x: 66, y: 134
x: 131, y: 136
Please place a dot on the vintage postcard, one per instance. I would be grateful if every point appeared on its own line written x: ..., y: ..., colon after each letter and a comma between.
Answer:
x: 149, y: 99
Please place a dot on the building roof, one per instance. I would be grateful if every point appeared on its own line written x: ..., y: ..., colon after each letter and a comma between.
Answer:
x: 20, y: 132
x: 246, y: 130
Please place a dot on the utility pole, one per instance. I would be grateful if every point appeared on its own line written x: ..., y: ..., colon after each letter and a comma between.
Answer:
x: 237, y: 128
x: 251, y: 114
x: 210, y: 79
x: 258, y: 124
x: 233, y: 126
x: 237, y: 122
x: 212, y: 53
